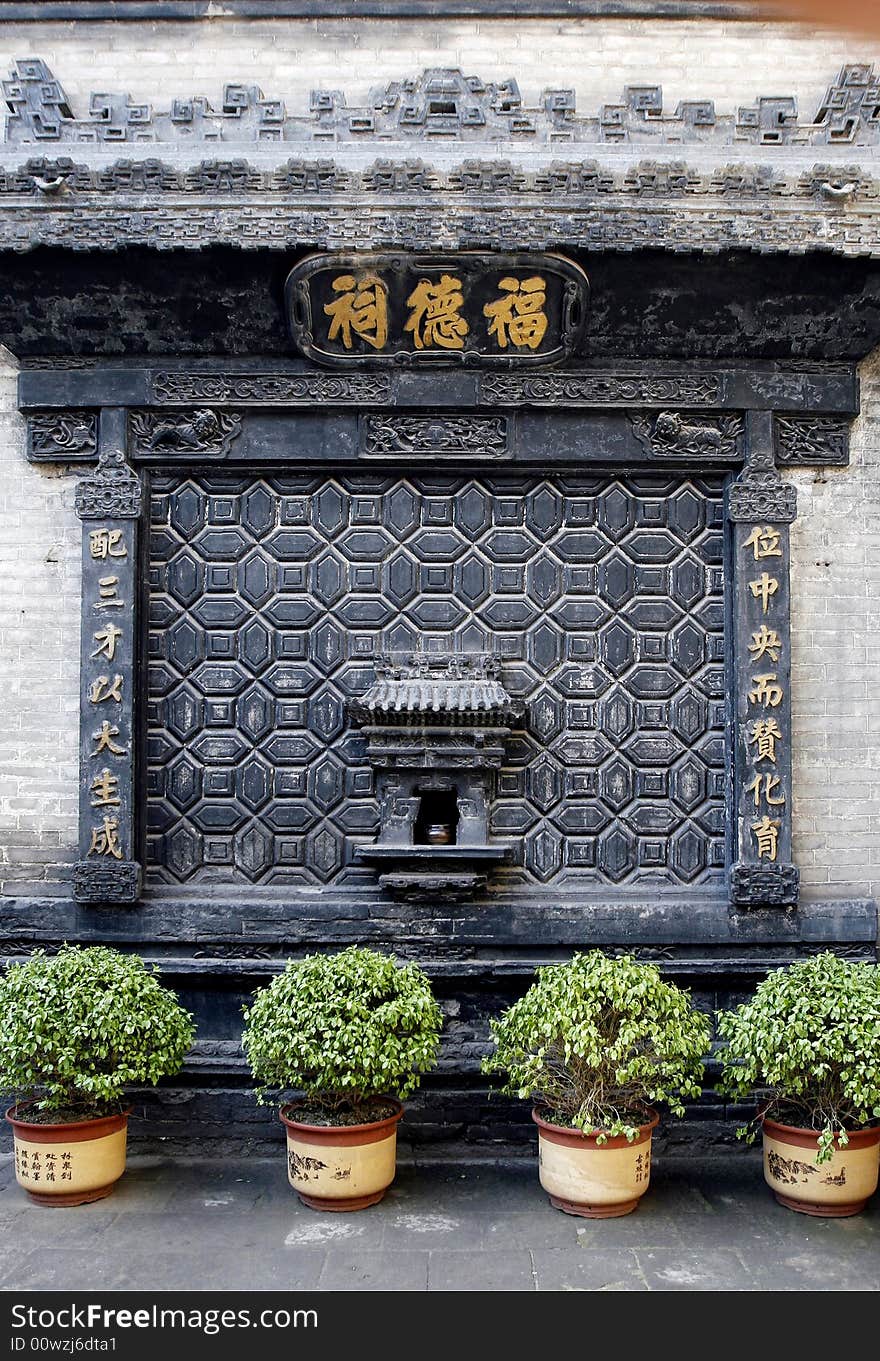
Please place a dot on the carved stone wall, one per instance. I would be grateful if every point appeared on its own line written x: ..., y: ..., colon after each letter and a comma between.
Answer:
x: 271, y: 597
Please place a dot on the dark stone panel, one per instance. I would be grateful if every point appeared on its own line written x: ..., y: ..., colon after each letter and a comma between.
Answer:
x: 223, y: 302
x: 216, y: 950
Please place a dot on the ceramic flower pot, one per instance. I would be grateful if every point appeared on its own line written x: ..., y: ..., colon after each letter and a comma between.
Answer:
x: 595, y: 1180
x: 831, y: 1189
x: 341, y: 1167
x: 70, y: 1164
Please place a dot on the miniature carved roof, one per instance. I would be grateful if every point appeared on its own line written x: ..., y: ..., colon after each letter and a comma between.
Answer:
x: 438, y: 689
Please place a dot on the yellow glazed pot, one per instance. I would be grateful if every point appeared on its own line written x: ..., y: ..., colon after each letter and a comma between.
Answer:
x: 597, y: 1181
x: 69, y: 1164
x: 341, y: 1167
x: 831, y: 1189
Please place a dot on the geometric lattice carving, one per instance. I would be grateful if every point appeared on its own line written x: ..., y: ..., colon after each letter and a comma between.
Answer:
x: 273, y: 598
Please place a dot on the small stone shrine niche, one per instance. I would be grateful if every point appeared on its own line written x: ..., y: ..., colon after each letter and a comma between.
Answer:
x: 436, y: 724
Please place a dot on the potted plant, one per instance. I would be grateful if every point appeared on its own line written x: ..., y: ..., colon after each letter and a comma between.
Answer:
x: 597, y: 1041
x: 808, y: 1044
x: 352, y: 1032
x: 77, y: 1028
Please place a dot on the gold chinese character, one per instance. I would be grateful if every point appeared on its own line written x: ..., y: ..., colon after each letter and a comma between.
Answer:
x: 105, y: 839
x: 102, y: 688
x: 764, y: 541
x: 767, y: 641
x: 765, y: 735
x: 769, y: 783
x: 104, y: 739
x: 108, y: 599
x: 766, y: 692
x: 767, y: 836
x: 106, y: 543
x: 106, y: 640
x: 362, y: 307
x: 763, y: 588
x: 519, y: 315
x: 105, y: 788
x: 436, y: 319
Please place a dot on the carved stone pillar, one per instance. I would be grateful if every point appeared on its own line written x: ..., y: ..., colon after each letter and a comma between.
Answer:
x: 109, y: 502
x: 760, y: 508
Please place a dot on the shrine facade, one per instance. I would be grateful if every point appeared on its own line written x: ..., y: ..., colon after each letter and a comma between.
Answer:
x: 435, y: 465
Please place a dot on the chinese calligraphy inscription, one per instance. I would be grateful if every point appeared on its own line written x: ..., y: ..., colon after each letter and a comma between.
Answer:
x: 467, y: 308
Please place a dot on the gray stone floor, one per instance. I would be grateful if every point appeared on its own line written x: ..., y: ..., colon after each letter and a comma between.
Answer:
x: 174, y: 1224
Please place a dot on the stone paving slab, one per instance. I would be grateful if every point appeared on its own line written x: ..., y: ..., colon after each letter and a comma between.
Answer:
x: 175, y: 1224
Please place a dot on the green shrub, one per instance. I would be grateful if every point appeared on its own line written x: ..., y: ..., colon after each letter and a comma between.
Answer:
x: 808, y: 1044
x: 78, y: 1027
x: 598, y: 1041
x: 343, y: 1028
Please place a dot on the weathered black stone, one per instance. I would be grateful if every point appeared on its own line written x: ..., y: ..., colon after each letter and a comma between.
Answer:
x: 649, y: 303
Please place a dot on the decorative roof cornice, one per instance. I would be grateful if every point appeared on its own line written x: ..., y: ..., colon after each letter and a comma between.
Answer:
x: 444, y: 161
x: 439, y: 104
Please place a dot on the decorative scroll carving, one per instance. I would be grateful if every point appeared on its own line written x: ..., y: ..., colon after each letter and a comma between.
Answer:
x: 204, y: 432
x: 760, y: 643
x: 762, y: 496
x: 117, y: 882
x: 415, y: 887
x: 62, y: 436
x: 599, y: 389
x: 672, y: 434
x: 764, y: 885
x: 812, y: 440
x: 759, y: 493
x: 441, y: 101
x: 390, y: 436
x: 272, y: 389
x: 113, y: 491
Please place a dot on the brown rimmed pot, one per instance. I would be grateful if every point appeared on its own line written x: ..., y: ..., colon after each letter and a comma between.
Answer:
x: 833, y: 1189
x: 71, y: 1164
x: 341, y: 1167
x: 597, y: 1181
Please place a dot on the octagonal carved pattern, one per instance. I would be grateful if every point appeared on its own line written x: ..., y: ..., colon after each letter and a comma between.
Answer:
x: 270, y: 598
